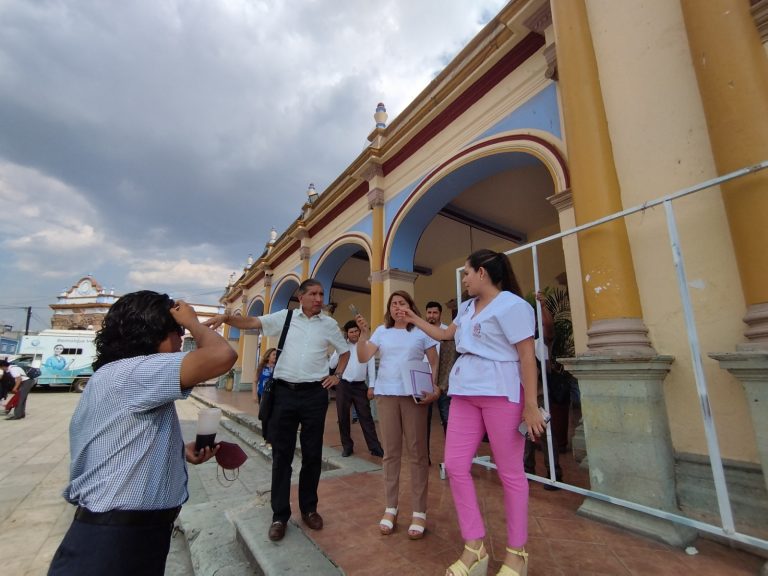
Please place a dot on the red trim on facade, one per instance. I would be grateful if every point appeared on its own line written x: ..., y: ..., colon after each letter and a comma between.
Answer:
x: 337, y: 210
x: 255, y: 280
x: 514, y: 58
x: 484, y: 144
x: 284, y: 256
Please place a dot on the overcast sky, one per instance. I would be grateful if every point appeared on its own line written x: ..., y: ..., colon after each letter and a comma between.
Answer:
x: 154, y: 143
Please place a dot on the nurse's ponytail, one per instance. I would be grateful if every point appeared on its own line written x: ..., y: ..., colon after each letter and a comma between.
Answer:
x: 497, y: 266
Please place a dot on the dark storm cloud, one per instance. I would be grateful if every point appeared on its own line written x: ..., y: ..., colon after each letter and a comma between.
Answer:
x: 148, y: 132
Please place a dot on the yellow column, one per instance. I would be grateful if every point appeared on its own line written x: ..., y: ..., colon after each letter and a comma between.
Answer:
x: 241, y: 341
x: 267, y: 303
x: 376, y: 204
x: 732, y: 73
x: 611, y: 296
x: 302, y: 235
x: 304, y: 255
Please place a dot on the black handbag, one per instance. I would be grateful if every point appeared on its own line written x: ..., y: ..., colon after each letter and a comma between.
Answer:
x: 268, y: 395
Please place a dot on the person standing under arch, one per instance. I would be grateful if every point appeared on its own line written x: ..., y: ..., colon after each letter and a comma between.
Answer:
x: 301, y: 398
x: 399, y: 342
x: 493, y: 388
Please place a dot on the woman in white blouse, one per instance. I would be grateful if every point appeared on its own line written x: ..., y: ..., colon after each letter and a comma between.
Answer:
x: 493, y: 389
x: 399, y: 342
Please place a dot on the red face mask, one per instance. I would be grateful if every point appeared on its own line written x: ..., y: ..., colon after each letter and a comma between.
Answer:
x: 230, y: 457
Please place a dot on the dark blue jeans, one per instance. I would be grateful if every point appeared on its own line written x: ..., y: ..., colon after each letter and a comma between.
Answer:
x: 305, y: 408
x: 99, y: 550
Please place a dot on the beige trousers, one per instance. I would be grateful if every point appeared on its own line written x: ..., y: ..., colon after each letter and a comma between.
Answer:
x: 401, y: 418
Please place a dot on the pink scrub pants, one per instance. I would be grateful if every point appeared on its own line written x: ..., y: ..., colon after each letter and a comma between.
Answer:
x: 471, y: 417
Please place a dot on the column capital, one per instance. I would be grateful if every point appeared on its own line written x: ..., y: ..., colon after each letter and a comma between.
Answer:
x: 540, y: 20
x: 393, y: 274
x: 550, y: 53
x: 301, y: 233
x: 372, y: 169
x: 562, y: 200
x: 304, y: 253
x: 375, y: 198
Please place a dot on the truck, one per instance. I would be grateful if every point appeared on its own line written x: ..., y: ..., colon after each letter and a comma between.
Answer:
x: 64, y: 357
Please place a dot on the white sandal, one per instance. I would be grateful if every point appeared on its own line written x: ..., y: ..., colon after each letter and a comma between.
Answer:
x: 387, y: 526
x: 416, y: 531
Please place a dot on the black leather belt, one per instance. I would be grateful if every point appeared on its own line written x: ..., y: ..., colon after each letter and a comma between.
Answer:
x: 128, y: 517
x: 299, y: 385
x: 354, y: 381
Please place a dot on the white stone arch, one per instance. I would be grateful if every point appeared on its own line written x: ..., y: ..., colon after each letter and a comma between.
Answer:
x: 542, y: 146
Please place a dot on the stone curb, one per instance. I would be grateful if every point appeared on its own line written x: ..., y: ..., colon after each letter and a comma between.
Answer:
x: 229, y: 538
x: 249, y: 430
x: 212, y: 540
x: 294, y: 554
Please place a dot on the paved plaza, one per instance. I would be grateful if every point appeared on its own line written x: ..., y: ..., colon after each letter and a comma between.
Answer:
x: 34, y: 517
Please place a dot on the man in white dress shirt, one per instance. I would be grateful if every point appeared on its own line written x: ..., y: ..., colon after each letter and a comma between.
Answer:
x: 301, y: 398
x: 353, y: 390
x: 433, y: 314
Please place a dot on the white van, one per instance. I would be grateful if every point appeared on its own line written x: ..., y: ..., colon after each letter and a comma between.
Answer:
x: 65, y: 357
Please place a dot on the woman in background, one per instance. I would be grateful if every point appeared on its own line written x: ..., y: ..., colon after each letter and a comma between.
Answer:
x: 265, y: 369
x: 399, y: 342
x: 493, y: 388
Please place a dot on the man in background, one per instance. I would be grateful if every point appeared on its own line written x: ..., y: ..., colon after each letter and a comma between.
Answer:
x: 433, y: 314
x: 22, y: 385
x: 353, y: 391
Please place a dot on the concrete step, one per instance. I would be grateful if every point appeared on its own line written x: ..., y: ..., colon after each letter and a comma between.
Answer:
x: 247, y: 427
x: 294, y: 554
x: 232, y: 533
x: 212, y: 539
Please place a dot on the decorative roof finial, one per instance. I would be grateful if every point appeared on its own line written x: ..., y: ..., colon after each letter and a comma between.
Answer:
x: 311, y: 194
x: 381, y: 116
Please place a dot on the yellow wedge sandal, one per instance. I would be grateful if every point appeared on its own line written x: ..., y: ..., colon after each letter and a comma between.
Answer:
x: 478, y: 568
x: 507, y: 571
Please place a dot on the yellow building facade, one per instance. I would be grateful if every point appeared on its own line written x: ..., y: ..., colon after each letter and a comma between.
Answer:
x: 557, y: 114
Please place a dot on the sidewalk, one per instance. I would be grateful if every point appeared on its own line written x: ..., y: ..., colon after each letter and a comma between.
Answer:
x: 561, y: 542
x: 34, y: 468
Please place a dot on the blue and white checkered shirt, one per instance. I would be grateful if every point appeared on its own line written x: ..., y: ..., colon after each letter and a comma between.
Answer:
x: 126, y: 448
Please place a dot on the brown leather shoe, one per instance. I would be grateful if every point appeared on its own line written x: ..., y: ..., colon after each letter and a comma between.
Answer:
x: 277, y: 531
x: 313, y: 520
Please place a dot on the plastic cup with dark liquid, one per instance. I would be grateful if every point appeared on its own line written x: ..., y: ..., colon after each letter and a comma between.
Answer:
x: 207, y: 425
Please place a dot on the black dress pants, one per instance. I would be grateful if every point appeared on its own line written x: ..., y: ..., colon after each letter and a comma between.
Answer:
x: 355, y: 393
x: 103, y: 550
x: 296, y: 406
